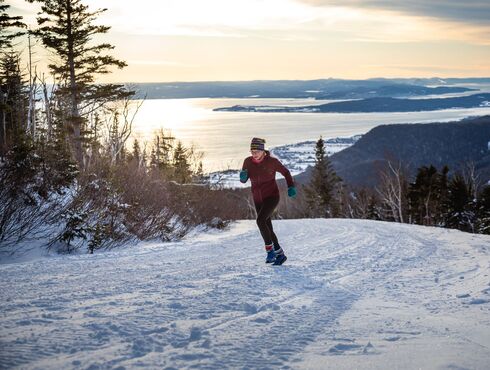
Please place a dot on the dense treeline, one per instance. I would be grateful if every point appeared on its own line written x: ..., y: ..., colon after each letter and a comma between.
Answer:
x: 69, y: 170
x: 433, y: 197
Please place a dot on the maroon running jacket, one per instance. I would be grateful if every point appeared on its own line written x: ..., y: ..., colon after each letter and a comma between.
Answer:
x: 263, y: 176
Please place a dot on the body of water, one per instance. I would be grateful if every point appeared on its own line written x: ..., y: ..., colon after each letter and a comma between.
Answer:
x: 224, y: 137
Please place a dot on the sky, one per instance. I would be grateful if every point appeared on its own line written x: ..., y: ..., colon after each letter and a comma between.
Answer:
x: 237, y: 40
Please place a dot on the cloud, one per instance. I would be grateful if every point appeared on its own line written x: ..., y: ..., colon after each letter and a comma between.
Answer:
x: 210, y: 18
x: 476, y: 12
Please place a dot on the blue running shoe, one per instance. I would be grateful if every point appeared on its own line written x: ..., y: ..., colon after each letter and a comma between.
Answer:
x: 280, y: 259
x: 271, y: 256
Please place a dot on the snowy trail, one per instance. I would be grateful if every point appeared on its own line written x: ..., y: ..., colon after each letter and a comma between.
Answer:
x: 353, y: 294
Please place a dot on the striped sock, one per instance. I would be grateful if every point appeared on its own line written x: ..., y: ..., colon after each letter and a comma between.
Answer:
x: 278, y: 250
x: 268, y: 248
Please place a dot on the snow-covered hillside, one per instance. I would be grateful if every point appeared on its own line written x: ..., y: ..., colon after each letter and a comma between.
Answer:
x: 353, y: 294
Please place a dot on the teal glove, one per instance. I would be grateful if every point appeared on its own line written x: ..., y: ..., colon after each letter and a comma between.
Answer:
x: 292, y: 192
x: 243, y: 176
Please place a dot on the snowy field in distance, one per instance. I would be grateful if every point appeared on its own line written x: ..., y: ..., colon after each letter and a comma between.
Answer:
x: 353, y: 294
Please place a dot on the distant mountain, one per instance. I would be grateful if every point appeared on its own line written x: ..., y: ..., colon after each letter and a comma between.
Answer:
x: 373, y: 105
x: 390, y: 90
x: 441, y: 81
x: 316, y: 89
x: 415, y: 145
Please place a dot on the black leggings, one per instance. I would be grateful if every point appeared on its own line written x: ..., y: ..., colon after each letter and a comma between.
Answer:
x: 264, y: 222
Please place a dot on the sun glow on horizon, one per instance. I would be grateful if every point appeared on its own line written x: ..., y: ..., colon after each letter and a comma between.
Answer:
x: 190, y: 40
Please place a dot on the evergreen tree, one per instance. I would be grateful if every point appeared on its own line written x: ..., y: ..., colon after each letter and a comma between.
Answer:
x: 199, y: 175
x: 136, y: 150
x: 13, y: 101
x: 12, y: 89
x: 67, y: 28
x: 75, y: 228
x: 323, y: 188
x: 427, y: 195
x: 20, y: 169
x: 461, y: 206
x: 153, y: 160
x: 57, y: 170
x: 97, y: 238
x: 442, y: 197
x: 8, y: 22
x: 135, y: 155
x: 181, y: 165
x: 374, y: 209
x: 161, y: 153
x: 483, y: 211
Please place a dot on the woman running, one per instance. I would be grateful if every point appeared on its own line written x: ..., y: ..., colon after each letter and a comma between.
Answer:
x: 261, y: 169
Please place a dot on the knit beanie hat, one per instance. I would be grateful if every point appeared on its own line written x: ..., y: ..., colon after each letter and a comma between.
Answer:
x: 257, y: 144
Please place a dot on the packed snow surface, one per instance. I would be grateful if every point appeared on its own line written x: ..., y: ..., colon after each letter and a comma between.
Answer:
x: 353, y: 294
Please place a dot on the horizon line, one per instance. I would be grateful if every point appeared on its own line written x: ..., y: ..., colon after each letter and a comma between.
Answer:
x: 313, y: 79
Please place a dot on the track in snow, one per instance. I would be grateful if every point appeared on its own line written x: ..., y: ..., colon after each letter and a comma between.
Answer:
x: 211, y: 302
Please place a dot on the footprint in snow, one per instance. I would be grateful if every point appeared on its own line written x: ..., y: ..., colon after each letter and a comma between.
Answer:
x: 249, y: 308
x: 369, y: 348
x: 393, y: 339
x: 176, y: 305
x: 340, y: 348
x: 270, y: 307
x: 195, y: 334
x: 479, y: 301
